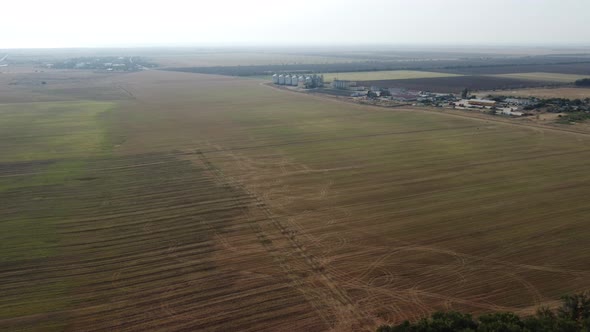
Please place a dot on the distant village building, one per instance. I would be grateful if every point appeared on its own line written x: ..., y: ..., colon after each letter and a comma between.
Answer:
x: 510, y: 111
x: 518, y: 101
x: 482, y: 102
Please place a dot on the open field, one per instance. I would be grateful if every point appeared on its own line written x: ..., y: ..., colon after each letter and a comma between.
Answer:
x: 458, y: 83
x: 565, y: 92
x: 310, y: 61
x: 28, y: 84
x: 212, y: 203
x: 210, y: 59
x: 574, y: 68
x: 384, y: 75
x: 548, y: 77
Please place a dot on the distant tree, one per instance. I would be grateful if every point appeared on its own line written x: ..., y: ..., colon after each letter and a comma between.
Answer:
x: 464, y: 93
x: 385, y: 93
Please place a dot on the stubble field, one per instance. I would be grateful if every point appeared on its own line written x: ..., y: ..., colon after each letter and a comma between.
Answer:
x: 384, y: 75
x: 212, y: 203
x: 567, y: 92
x: 547, y: 77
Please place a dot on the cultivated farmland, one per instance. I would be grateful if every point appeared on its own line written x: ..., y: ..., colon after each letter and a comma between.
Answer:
x: 574, y: 68
x: 548, y: 77
x: 563, y: 92
x: 458, y: 83
x: 211, y: 203
x: 384, y: 75
x: 209, y: 59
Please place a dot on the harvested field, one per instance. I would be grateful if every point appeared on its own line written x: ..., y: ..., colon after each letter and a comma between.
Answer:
x: 351, y: 62
x: 267, y: 210
x: 384, y: 75
x: 566, y: 92
x: 26, y: 84
x: 457, y: 84
x: 548, y: 77
x: 574, y: 68
x: 210, y: 59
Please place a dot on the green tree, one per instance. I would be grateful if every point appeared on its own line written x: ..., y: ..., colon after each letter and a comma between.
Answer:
x: 575, y: 307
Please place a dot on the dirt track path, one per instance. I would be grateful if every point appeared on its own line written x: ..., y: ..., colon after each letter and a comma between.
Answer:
x: 330, y: 300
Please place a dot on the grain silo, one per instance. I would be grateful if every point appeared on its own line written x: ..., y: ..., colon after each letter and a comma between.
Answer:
x: 294, y: 80
x: 275, y: 79
x: 301, y: 81
x: 281, y: 79
x: 287, y: 79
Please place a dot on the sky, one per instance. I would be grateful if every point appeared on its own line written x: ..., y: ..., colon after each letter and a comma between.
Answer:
x: 129, y: 23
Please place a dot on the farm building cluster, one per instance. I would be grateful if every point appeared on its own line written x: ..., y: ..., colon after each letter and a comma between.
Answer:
x: 505, y: 107
x: 396, y: 96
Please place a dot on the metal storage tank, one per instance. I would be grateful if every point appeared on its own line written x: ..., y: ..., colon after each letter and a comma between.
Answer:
x: 294, y: 80
x: 301, y: 81
x: 287, y: 79
x: 281, y: 79
x: 275, y: 79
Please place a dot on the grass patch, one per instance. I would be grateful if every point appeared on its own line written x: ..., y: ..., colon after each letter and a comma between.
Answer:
x: 51, y: 130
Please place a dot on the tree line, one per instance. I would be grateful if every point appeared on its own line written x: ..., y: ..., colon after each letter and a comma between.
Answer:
x: 572, y: 316
x: 583, y: 82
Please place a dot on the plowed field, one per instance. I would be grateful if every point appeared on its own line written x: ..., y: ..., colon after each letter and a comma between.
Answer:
x: 207, y: 203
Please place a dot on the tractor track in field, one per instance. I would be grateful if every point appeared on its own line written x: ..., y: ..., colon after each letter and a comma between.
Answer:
x: 330, y: 297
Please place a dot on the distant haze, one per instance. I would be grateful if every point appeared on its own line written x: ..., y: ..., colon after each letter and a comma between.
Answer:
x: 107, y: 23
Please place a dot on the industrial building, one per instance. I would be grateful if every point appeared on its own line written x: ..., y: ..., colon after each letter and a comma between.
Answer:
x: 342, y: 84
x: 307, y: 81
x: 518, y: 101
x: 482, y: 102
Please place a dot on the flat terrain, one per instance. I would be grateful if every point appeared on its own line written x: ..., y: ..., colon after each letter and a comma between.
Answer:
x: 458, y: 83
x: 565, y: 92
x: 384, y: 75
x: 581, y: 68
x: 212, y: 203
x: 209, y: 59
x: 549, y: 77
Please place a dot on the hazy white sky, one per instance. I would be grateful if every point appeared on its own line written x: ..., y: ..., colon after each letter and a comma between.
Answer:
x: 75, y: 23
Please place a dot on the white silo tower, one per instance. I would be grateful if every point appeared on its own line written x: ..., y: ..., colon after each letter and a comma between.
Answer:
x: 275, y: 79
x: 281, y: 79
x: 294, y: 80
x: 287, y: 79
x: 301, y: 81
